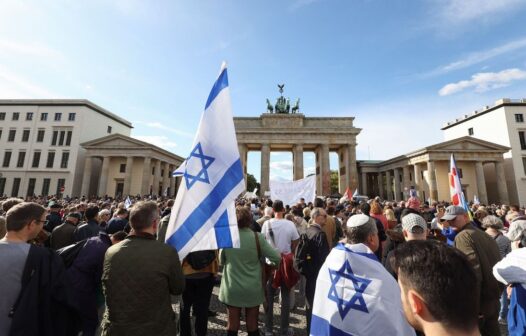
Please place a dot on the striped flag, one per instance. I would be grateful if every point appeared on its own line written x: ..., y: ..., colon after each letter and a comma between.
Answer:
x: 203, y: 216
x: 457, y: 196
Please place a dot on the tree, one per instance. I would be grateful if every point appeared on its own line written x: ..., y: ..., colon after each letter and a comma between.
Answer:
x: 335, y: 180
x: 252, y: 183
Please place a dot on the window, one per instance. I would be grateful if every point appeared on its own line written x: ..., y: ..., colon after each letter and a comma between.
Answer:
x: 162, y: 172
x: 60, y: 185
x: 54, y: 139
x: 470, y: 131
x: 12, y: 135
x: 36, y: 160
x: 58, y: 116
x: 16, y: 115
x: 0, y: 133
x: 523, y: 165
x: 122, y: 168
x: 519, y: 117
x: 153, y: 170
x: 45, y: 186
x: 21, y: 159
x: 64, y: 161
x: 109, y: 129
x: 71, y: 117
x: 31, y: 186
x: 2, y: 185
x: 43, y: 116
x: 459, y: 171
x: 40, y: 135
x: 25, y: 135
x: 7, y: 159
x: 29, y: 116
x: 61, y: 138
x: 16, y: 187
x: 50, y: 159
x: 68, y: 138
x: 2, y: 115
x: 522, y: 139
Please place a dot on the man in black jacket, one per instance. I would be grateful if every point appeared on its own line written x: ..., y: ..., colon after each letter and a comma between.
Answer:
x: 35, y: 295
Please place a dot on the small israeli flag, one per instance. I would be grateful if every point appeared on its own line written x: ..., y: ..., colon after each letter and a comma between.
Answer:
x: 127, y: 202
x: 203, y: 216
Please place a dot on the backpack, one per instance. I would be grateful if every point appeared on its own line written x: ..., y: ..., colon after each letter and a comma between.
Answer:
x: 303, y: 261
x: 200, y: 259
x: 69, y: 253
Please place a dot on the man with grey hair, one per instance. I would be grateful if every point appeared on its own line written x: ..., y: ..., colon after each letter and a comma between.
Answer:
x: 354, y: 293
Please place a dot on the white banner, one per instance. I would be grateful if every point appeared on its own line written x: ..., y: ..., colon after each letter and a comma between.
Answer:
x: 291, y: 192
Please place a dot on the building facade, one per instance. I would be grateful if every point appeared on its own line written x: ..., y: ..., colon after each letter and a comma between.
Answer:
x: 503, y: 124
x: 40, y: 152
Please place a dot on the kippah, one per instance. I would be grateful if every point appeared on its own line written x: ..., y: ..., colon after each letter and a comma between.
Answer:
x: 358, y: 220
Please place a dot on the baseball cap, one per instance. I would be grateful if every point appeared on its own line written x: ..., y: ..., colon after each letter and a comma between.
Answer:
x: 358, y: 220
x: 453, y: 211
x: 410, y: 221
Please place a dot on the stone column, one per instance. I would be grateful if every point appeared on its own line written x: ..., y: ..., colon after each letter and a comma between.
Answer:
x: 86, y: 178
x: 325, y: 171
x: 243, y: 157
x: 381, y: 185
x: 166, y: 180
x: 127, y: 176
x: 352, y: 168
x: 431, y: 174
x: 172, y: 181
x: 481, y: 182
x: 156, y: 178
x: 146, y: 173
x: 418, y: 180
x: 396, y: 185
x: 297, y: 157
x: 265, y: 168
x: 388, y: 185
x: 406, y: 180
x: 103, y: 180
x: 364, y: 184
x: 343, y: 159
x: 502, y: 187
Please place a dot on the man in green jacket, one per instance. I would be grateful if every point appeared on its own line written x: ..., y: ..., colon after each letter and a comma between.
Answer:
x: 140, y: 274
x: 483, y: 253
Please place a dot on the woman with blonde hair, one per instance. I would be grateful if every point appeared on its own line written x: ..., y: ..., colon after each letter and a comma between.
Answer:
x: 391, y: 218
x: 376, y: 212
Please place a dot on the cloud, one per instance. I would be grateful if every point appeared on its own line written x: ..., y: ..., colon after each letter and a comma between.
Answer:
x: 156, y: 140
x: 464, y: 11
x: 158, y: 125
x: 281, y: 165
x: 14, y: 86
x: 297, y: 4
x: 37, y: 50
x: 478, y: 57
x: 484, y: 81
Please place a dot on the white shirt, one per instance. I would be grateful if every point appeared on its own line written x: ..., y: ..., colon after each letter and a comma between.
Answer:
x: 284, y: 233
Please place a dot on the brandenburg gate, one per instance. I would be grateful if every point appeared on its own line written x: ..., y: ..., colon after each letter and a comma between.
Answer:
x: 279, y: 129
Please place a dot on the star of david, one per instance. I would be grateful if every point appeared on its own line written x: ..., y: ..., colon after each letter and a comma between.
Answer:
x: 360, y: 284
x: 202, y: 175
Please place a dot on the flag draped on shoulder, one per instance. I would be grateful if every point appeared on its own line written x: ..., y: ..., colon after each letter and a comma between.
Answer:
x: 355, y: 295
x: 457, y: 195
x: 203, y: 216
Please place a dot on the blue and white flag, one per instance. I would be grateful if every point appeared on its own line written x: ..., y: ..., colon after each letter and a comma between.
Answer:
x: 355, y: 295
x: 203, y: 216
x: 476, y: 200
x: 127, y: 202
x: 355, y: 193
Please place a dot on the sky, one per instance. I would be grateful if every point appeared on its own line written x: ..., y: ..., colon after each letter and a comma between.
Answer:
x: 401, y: 68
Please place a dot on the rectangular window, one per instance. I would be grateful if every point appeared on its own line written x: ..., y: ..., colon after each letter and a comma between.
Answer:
x: 40, y: 135
x: 460, y: 175
x: 45, y: 186
x: 2, y: 185
x: 43, y: 116
x: 58, y: 116
x: 2, y: 115
x: 29, y: 116
x: 12, y: 135
x: 50, y: 159
x: 522, y: 139
x: 523, y: 165
x: 68, y: 138
x: 54, y: 139
x: 519, y: 117
x: 0, y: 133
x: 25, y: 135
x: 71, y: 117
x: 21, y: 159
x: 16, y: 187
x: 7, y: 159
x: 470, y: 131
x: 61, y: 139
x: 122, y: 168
x: 60, y: 186
x: 109, y: 129
x: 36, y: 160
x: 31, y: 186
x: 64, y: 161
x: 16, y: 115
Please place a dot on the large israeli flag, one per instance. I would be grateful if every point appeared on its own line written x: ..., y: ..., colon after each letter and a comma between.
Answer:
x: 355, y: 295
x: 203, y: 216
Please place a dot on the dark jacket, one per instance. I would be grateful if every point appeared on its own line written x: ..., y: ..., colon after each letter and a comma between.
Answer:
x: 45, y: 306
x: 62, y: 235
x: 319, y: 247
x: 53, y: 220
x: 86, y: 230
x: 116, y: 224
x: 139, y: 275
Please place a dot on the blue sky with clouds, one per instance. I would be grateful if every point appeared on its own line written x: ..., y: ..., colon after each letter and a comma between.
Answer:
x: 402, y: 68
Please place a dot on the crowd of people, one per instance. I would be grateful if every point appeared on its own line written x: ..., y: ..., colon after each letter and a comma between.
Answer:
x: 91, y: 266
